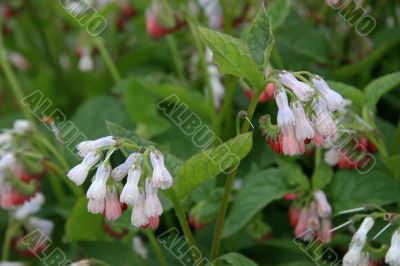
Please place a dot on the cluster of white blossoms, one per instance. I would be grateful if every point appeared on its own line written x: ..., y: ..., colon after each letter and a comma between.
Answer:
x: 356, y: 255
x: 308, y: 115
x: 145, y: 172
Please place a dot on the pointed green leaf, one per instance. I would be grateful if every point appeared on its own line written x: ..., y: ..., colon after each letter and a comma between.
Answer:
x: 208, y: 164
x: 232, y: 56
x: 322, y: 176
x: 294, y: 173
x: 260, y: 39
x: 379, y: 87
x: 258, y: 191
x: 278, y: 10
x: 235, y: 259
x: 82, y: 225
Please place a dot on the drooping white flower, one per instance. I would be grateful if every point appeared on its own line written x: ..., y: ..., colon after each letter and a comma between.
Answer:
x: 112, y: 208
x: 139, y: 217
x: 353, y: 256
x: 285, y: 114
x: 95, y: 145
x: 30, y: 207
x: 152, y: 206
x: 217, y: 87
x: 323, y: 121
x: 130, y: 194
x: 79, y: 173
x: 6, y: 138
x: 22, y: 126
x: 393, y: 255
x: 8, y: 161
x: 86, y: 61
x: 139, y: 247
x: 303, y: 128
x: 121, y: 171
x: 323, y: 206
x: 96, y: 206
x: 302, y: 90
x: 332, y: 157
x: 43, y: 225
x: 98, y: 188
x: 333, y: 99
x: 161, y: 176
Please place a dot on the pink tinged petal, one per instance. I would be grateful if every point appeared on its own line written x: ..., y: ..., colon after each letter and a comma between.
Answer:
x: 290, y: 143
x: 139, y: 217
x: 323, y: 206
x: 326, y: 234
x: 96, y: 206
x: 152, y: 204
x: 113, y: 208
x: 121, y: 171
x: 154, y: 221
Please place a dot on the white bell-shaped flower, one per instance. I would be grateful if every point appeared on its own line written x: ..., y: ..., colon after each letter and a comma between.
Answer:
x: 98, y: 188
x: 130, y: 193
x: 393, y: 255
x: 302, y: 90
x: 333, y: 99
x: 303, y: 128
x: 121, y: 171
x: 161, y: 176
x: 79, y: 173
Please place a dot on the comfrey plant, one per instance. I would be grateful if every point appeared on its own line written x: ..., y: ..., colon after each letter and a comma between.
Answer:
x: 308, y: 113
x: 145, y: 173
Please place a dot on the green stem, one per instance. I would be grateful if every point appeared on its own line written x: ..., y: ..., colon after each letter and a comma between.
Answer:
x: 180, y: 213
x: 76, y: 190
x: 176, y: 57
x: 53, y: 150
x: 12, y: 227
x: 156, y: 247
x: 216, y: 243
x: 12, y: 80
x: 107, y: 59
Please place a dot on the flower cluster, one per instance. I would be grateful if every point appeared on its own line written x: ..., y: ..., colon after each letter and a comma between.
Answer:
x: 145, y: 172
x: 307, y: 116
x: 313, y: 221
x: 357, y: 255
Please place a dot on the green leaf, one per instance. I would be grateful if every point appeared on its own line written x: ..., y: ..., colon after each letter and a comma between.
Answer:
x: 234, y: 259
x: 393, y: 164
x: 208, y: 164
x: 278, y: 11
x: 82, y: 225
x: 349, y: 189
x: 260, y: 39
x: 348, y: 92
x: 304, y: 40
x: 294, y: 173
x: 258, y: 191
x: 121, y: 132
x: 142, y: 107
x: 322, y: 176
x: 232, y: 56
x: 379, y: 87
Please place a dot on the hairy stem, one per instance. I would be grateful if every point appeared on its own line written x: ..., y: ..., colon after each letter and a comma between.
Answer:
x: 107, y: 59
x: 219, y: 227
x: 156, y: 247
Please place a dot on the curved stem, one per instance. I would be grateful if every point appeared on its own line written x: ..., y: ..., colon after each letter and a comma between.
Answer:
x: 156, y: 247
x: 184, y: 225
x: 12, y: 227
x: 176, y: 57
x: 107, y: 59
x: 228, y: 188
